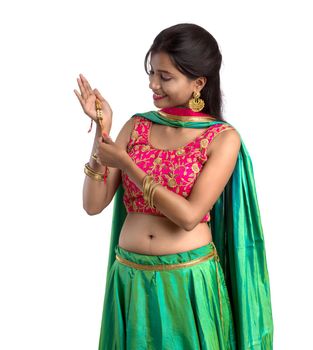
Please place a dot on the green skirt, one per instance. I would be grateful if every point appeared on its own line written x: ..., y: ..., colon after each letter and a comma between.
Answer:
x: 162, y: 302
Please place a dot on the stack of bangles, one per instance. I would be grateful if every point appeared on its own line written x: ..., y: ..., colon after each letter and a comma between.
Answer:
x: 149, y: 187
x: 95, y: 174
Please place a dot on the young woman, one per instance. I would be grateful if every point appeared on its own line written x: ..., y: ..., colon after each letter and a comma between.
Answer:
x: 187, y: 266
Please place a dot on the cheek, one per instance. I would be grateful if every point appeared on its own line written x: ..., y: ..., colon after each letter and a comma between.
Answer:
x: 181, y: 93
x: 173, y: 89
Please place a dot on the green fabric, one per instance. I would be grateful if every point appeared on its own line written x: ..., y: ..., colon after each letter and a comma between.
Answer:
x: 238, y: 235
x: 144, y: 309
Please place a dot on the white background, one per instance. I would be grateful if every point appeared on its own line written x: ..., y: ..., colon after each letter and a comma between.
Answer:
x: 52, y: 254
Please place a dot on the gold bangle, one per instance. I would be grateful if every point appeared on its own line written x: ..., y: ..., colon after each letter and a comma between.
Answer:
x: 92, y: 173
x: 152, y: 190
x: 149, y: 187
x: 87, y: 165
x: 152, y: 195
x: 152, y: 184
x: 146, y: 185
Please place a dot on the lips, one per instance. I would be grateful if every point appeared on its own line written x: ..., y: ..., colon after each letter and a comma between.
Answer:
x: 158, y: 97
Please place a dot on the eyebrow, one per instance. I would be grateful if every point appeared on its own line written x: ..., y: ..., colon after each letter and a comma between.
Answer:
x: 161, y: 70
x: 164, y: 71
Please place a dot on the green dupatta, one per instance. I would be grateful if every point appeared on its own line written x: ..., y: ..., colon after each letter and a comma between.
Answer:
x: 238, y: 236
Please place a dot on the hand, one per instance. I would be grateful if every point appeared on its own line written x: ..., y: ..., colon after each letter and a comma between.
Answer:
x: 109, y: 153
x: 87, y: 100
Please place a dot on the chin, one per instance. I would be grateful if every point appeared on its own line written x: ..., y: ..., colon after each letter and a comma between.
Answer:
x: 164, y: 104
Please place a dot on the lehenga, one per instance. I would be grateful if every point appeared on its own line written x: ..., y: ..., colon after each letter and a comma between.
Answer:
x: 216, y: 297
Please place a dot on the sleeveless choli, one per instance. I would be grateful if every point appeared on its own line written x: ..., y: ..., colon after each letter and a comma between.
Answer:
x: 176, y: 169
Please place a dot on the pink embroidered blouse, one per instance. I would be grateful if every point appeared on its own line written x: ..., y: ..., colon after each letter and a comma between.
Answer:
x: 175, y: 169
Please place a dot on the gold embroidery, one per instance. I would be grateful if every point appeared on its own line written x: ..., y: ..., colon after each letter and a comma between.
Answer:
x: 171, y: 182
x: 164, y: 167
x: 134, y: 134
x: 204, y: 143
x: 157, y: 160
x: 180, y: 151
x: 186, y: 118
x: 195, y: 168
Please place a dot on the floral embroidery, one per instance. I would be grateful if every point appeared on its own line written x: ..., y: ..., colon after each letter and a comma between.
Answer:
x: 175, y: 169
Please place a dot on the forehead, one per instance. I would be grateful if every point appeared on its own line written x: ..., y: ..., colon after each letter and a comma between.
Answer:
x: 162, y: 61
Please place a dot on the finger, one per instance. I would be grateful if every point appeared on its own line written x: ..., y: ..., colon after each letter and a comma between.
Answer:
x: 106, y: 139
x: 86, y: 85
x: 102, y: 140
x: 82, y: 88
x: 79, y: 97
x: 99, y: 96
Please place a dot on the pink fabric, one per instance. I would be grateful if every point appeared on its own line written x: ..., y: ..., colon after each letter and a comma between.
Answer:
x: 183, y: 111
x: 175, y: 169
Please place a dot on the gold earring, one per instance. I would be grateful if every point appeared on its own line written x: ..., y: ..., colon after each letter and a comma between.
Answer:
x: 196, y: 103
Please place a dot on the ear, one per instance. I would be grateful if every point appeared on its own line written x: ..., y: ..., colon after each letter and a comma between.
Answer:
x: 200, y: 82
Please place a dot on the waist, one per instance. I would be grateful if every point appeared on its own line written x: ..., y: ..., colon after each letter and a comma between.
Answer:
x: 148, y: 234
x: 166, y: 261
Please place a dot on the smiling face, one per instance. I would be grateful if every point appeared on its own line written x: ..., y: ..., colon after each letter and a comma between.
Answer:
x: 166, y: 80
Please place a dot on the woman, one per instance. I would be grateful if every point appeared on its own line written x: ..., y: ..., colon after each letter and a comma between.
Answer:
x: 187, y: 266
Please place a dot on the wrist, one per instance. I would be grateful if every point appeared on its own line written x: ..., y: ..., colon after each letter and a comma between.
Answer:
x: 99, y: 131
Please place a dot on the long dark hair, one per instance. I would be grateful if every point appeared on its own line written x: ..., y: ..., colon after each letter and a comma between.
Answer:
x: 195, y: 53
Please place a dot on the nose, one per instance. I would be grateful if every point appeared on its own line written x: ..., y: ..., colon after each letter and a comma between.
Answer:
x: 154, y: 83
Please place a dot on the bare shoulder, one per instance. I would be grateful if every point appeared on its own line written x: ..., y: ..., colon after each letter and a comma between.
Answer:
x: 227, y: 140
x: 123, y: 136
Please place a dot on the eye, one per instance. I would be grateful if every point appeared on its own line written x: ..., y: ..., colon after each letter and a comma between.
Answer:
x: 165, y: 79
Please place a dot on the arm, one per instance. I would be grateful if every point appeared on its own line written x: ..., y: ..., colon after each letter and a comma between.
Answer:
x: 215, y: 174
x: 98, y: 195
x: 94, y: 191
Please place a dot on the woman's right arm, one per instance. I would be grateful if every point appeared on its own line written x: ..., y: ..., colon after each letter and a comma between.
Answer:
x: 97, y: 195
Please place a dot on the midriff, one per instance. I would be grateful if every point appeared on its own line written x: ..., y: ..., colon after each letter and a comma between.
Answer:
x: 157, y: 235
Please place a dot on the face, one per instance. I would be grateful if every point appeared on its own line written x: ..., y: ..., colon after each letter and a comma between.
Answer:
x: 171, y: 88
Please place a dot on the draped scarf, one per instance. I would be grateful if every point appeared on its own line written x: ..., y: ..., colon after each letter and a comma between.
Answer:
x: 236, y: 231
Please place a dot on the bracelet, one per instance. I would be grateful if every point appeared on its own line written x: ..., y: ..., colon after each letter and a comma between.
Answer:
x: 146, y: 184
x: 92, y: 173
x: 96, y: 175
x: 149, y: 188
x: 99, y: 115
x: 154, y: 186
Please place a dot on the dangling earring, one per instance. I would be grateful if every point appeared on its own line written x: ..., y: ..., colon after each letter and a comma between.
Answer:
x: 196, y: 103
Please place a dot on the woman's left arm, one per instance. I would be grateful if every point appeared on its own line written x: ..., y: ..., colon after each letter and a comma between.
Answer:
x: 188, y: 212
